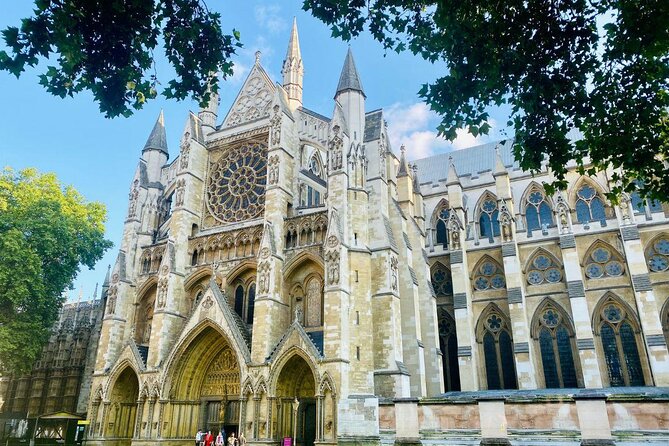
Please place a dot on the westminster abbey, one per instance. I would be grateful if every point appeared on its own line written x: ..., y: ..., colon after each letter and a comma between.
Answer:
x: 289, y: 276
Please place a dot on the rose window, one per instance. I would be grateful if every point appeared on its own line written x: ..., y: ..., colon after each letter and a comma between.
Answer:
x: 658, y: 256
x: 601, y: 263
x: 236, y: 186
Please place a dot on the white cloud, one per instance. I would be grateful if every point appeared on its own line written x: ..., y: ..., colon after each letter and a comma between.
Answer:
x: 268, y: 17
x: 414, y: 125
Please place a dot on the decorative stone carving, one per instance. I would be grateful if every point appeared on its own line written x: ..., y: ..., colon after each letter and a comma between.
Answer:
x: 275, y: 127
x: 264, y: 253
x: 336, y: 146
x: 162, y: 292
x: 112, y: 294
x: 134, y: 196
x: 332, y: 259
x: 208, y: 303
x: 273, y: 175
x: 254, y: 101
x: 506, y: 222
x: 625, y: 209
x: 383, y: 152
x: 563, y: 214
x: 333, y: 241
x: 263, y: 277
x: 394, y: 273
x: 314, y: 298
x: 454, y: 228
x: 185, y: 151
x: 180, y: 192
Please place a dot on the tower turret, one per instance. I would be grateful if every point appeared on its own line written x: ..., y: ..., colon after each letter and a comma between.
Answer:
x: 293, y: 70
x: 209, y: 114
x: 155, y: 152
x: 351, y: 97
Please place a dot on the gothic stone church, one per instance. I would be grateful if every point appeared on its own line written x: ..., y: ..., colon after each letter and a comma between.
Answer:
x: 287, y: 275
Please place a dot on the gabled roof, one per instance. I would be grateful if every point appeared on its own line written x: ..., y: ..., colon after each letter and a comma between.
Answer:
x: 158, y: 139
x: 349, y: 79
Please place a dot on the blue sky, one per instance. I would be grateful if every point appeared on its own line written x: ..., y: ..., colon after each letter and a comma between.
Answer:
x: 98, y: 156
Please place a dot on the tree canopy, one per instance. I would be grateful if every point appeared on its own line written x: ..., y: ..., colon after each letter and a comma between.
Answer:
x: 599, y: 68
x: 107, y: 47
x: 46, y: 232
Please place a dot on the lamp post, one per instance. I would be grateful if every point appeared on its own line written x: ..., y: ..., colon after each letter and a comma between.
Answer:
x: 296, y: 404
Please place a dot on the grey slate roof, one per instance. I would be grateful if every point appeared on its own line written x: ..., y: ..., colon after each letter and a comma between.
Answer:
x: 158, y: 139
x: 471, y: 161
x: 349, y: 78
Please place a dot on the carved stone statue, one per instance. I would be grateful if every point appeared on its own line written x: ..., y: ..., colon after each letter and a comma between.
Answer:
x: 275, y: 127
x: 336, y: 149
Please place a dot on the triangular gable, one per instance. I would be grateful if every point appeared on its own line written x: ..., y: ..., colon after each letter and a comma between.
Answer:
x: 295, y: 336
x: 254, y: 100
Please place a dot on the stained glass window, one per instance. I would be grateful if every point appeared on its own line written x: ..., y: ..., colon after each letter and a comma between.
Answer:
x: 441, y: 280
x: 449, y: 348
x: 620, y: 345
x: 555, y: 343
x: 489, y: 219
x: 602, y: 262
x: 658, y: 255
x: 239, y: 300
x: 543, y: 269
x: 498, y: 351
x: 589, y: 206
x: 489, y: 276
x: 537, y: 211
x: 639, y: 204
x: 251, y: 303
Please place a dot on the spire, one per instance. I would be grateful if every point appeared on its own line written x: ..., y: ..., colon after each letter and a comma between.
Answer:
x: 349, y: 78
x: 209, y: 115
x: 106, y: 281
x: 157, y: 139
x: 403, y: 170
x: 95, y: 292
x: 293, y: 70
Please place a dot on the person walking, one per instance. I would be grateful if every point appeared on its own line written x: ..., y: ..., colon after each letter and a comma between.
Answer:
x: 241, y: 439
x: 198, y: 437
x: 232, y: 441
x: 208, y: 439
x: 219, y: 439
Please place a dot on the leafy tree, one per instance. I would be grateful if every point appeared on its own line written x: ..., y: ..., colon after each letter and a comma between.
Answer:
x: 107, y: 47
x: 46, y: 233
x: 554, y: 67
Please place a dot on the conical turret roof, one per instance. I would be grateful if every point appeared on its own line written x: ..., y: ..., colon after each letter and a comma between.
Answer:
x: 158, y: 139
x: 349, y: 79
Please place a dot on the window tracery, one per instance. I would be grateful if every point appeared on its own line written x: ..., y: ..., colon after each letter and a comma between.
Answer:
x: 589, y: 205
x: 441, y: 280
x: 538, y: 212
x: 495, y: 336
x: 244, y: 301
x: 236, y: 186
x: 555, y: 337
x: 488, y: 275
x: 619, y: 336
x: 448, y: 344
x: 542, y: 268
x: 489, y: 217
x: 603, y: 262
x: 441, y: 226
x: 657, y: 255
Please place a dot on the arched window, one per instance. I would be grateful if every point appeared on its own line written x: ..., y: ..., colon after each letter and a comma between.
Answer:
x: 489, y: 218
x: 314, y: 303
x: 193, y: 260
x: 639, y: 204
x: 315, y: 166
x: 448, y: 344
x: 441, y: 280
x: 542, y: 268
x: 555, y: 337
x: 440, y: 229
x: 495, y: 336
x: 146, y: 264
x: 250, y: 303
x: 537, y: 210
x: 603, y: 261
x: 619, y: 336
x: 488, y: 275
x: 657, y: 255
x: 239, y: 300
x: 589, y: 206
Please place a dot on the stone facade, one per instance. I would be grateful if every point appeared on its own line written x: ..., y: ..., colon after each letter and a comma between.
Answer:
x: 287, y: 275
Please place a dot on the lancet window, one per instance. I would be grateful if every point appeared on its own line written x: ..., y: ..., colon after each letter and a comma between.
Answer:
x: 555, y: 337
x: 602, y: 261
x: 441, y: 232
x: 489, y: 276
x: 542, y: 269
x: 589, y: 205
x: 448, y: 344
x: 619, y: 336
x: 244, y: 302
x: 495, y: 336
x: 538, y: 212
x: 657, y: 255
x: 489, y: 218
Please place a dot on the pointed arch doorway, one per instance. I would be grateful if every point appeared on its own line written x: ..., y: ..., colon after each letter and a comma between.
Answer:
x: 296, y: 401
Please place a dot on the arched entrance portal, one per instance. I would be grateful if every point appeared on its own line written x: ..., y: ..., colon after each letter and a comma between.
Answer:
x: 121, y: 418
x: 205, y: 388
x: 296, y: 399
